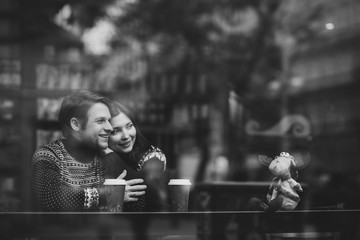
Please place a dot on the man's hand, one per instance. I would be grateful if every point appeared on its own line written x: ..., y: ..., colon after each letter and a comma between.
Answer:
x: 134, y: 189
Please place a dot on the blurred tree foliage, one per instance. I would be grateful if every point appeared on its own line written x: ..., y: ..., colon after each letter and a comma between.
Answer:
x: 37, y: 15
x: 237, y: 37
x: 230, y: 36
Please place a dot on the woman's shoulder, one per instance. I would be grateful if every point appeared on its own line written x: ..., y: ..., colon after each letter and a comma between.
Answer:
x: 154, y: 153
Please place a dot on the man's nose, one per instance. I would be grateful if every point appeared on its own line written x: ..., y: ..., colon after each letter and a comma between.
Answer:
x: 108, y: 126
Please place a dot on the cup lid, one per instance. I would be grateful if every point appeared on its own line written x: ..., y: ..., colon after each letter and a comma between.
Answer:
x: 179, y: 182
x: 115, y: 181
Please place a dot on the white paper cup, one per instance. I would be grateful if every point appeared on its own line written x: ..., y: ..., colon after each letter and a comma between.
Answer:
x: 115, y: 191
x: 179, y: 190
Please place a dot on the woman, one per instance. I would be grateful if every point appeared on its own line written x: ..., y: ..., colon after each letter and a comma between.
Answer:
x: 129, y: 150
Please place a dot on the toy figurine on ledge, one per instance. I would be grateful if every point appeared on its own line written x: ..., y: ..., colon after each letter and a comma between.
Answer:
x: 283, y: 191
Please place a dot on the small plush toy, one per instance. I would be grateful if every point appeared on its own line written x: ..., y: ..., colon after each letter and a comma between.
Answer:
x: 282, y: 194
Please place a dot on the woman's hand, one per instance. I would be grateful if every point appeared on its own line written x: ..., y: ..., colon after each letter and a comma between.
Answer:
x: 134, y: 188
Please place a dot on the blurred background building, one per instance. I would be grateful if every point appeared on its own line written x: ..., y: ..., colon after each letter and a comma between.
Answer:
x: 213, y: 84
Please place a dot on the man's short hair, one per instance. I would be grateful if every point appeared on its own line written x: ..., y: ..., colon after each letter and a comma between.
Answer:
x: 77, y: 105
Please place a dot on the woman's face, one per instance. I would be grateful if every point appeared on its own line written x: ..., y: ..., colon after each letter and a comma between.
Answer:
x: 123, y: 137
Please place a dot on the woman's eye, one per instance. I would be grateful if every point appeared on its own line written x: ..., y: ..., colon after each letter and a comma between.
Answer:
x: 115, y: 131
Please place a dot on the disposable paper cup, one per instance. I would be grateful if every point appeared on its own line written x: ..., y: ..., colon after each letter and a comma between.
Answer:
x: 179, y: 190
x: 115, y: 191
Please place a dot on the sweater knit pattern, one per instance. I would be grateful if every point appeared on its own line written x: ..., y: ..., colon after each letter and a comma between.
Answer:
x: 60, y: 183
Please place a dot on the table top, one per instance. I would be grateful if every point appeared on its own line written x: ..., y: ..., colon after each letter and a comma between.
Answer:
x: 184, y: 222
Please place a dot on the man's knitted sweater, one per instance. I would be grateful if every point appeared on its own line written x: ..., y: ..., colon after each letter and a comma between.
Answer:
x: 61, y: 183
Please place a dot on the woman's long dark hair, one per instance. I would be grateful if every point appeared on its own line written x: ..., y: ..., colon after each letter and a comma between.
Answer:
x: 141, y: 144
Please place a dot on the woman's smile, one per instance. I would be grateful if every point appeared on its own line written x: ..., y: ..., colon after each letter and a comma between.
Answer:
x: 125, y: 144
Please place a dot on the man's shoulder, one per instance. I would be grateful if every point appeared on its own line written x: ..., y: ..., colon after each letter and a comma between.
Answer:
x: 51, y: 149
x: 54, y: 145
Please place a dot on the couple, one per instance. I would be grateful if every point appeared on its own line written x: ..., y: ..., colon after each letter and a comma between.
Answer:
x: 100, y: 141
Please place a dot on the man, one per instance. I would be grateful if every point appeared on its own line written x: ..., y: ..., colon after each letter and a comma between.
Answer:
x: 67, y: 174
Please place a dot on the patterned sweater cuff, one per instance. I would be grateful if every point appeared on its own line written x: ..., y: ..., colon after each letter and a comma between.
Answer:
x: 91, y: 198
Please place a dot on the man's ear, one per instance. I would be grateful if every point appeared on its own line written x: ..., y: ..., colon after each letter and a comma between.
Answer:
x: 75, y: 124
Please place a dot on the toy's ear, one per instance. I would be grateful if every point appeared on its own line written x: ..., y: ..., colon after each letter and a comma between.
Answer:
x: 265, y: 160
x: 302, y: 160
